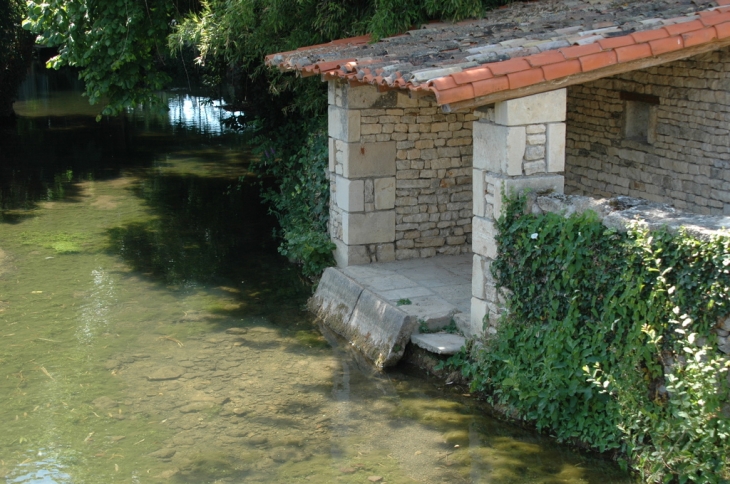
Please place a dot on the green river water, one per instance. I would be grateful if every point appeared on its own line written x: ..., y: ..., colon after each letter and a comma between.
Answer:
x: 149, y: 331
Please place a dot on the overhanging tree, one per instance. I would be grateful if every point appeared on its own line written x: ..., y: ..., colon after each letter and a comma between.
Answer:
x: 15, y: 52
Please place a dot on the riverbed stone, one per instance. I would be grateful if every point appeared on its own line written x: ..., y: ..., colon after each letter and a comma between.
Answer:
x: 165, y: 453
x: 104, y: 403
x: 166, y: 373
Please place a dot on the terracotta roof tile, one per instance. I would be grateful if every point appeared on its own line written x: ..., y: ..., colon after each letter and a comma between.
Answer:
x: 633, y: 52
x: 684, y: 27
x: 715, y: 19
x: 670, y: 44
x: 648, y: 35
x: 471, y: 75
x: 614, y: 42
x: 544, y: 58
x: 512, y: 65
x: 708, y: 34
x: 443, y: 83
x: 723, y: 30
x: 562, y: 69
x: 522, y: 45
x: 488, y: 86
x: 580, y: 50
x: 525, y: 78
x: 592, y: 62
x: 460, y: 93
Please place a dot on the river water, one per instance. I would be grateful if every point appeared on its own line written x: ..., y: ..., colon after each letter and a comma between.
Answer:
x: 149, y: 331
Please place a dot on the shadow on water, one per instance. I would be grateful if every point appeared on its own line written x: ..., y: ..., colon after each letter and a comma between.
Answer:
x: 207, y: 233
x: 192, y: 255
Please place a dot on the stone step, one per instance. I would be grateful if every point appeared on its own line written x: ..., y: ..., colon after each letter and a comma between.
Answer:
x: 439, y: 343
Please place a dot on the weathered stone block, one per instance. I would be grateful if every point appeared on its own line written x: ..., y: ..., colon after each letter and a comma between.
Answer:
x: 350, y: 255
x: 332, y: 155
x: 478, y: 279
x: 361, y: 160
x: 343, y: 124
x: 483, y: 240
x: 478, y: 193
x: 331, y: 90
x: 360, y: 97
x: 350, y: 194
x: 385, y: 252
x: 541, y: 184
x: 499, y: 149
x: 547, y: 107
x: 478, y: 315
x: 368, y: 228
x: 535, y: 152
x: 534, y: 167
x: 384, y: 193
x: 555, y: 148
x: 336, y: 296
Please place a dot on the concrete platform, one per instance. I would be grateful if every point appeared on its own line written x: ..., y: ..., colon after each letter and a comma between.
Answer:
x: 377, y: 307
x: 438, y: 288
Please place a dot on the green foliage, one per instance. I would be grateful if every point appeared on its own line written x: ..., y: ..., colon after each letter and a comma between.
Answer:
x: 118, y: 46
x: 15, y: 52
x: 300, y: 200
x: 601, y: 343
x: 450, y: 328
x: 403, y: 302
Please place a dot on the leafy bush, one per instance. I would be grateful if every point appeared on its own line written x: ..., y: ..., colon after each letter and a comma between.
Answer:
x: 300, y: 199
x: 600, y: 344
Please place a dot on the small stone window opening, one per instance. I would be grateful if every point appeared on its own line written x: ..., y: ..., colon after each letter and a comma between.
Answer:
x: 639, y: 117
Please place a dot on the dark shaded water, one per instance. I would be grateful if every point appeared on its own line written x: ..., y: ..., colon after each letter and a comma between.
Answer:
x: 149, y: 331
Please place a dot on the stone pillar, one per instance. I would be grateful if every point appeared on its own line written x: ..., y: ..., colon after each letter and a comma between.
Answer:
x: 518, y: 145
x: 362, y: 179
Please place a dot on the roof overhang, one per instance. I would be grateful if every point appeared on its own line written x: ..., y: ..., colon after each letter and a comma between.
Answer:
x: 473, y: 67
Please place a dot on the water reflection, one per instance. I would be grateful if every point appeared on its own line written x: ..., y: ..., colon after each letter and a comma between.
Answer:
x: 185, y: 113
x: 149, y: 331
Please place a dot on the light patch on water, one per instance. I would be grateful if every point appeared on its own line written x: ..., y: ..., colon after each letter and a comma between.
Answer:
x: 46, y: 470
x: 94, y: 312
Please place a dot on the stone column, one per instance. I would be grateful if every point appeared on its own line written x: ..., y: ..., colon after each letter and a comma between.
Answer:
x: 362, y: 179
x: 518, y: 145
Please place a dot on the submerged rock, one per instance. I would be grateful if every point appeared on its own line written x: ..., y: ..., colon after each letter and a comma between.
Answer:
x: 166, y: 373
x: 104, y: 403
x: 165, y: 453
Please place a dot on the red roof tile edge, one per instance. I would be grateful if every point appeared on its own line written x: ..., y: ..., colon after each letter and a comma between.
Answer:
x: 520, y: 72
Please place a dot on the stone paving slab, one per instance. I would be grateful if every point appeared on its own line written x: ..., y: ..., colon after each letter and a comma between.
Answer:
x: 440, y: 343
x: 365, y: 303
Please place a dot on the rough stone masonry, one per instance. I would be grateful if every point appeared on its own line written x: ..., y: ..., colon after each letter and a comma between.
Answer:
x: 400, y: 176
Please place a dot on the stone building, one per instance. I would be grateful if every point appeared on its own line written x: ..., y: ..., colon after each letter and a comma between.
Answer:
x: 593, y: 97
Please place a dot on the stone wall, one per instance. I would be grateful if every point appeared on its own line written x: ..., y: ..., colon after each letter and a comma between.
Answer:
x: 681, y: 153
x: 400, y: 176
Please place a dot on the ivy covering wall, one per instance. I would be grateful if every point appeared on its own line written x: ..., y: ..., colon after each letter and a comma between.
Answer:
x: 608, y: 341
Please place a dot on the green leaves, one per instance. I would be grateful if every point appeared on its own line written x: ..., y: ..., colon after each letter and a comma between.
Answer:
x: 118, y: 46
x: 595, y: 320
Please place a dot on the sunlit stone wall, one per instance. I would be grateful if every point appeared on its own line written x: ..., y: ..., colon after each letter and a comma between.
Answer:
x: 659, y: 133
x: 400, y: 176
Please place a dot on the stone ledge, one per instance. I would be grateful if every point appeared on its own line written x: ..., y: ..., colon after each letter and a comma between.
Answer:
x: 439, y: 343
x: 378, y: 329
x: 621, y: 212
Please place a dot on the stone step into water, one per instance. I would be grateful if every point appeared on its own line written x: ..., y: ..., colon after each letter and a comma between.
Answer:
x: 439, y: 343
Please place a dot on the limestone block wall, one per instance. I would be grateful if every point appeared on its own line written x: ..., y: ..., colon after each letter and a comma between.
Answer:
x: 682, y: 158
x: 400, y: 175
x: 518, y: 145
